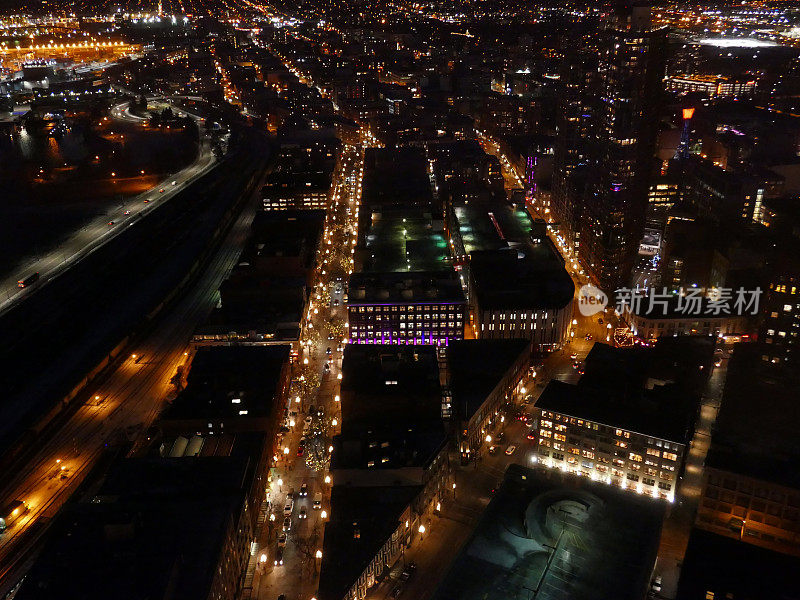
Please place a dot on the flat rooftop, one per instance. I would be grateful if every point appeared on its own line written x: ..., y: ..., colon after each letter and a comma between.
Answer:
x: 423, y: 287
x: 557, y: 536
x: 285, y: 233
x: 230, y: 382
x: 387, y: 384
x: 662, y: 412
x: 153, y: 529
x: 756, y: 428
x: 525, y: 278
x: 733, y: 569
x: 492, y: 226
x: 395, y: 177
x: 405, y: 240
x: 475, y: 368
x: 362, y: 520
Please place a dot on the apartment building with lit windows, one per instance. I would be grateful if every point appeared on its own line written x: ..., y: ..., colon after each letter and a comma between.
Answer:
x: 587, y: 433
x: 405, y: 308
x: 629, y: 419
x: 780, y: 331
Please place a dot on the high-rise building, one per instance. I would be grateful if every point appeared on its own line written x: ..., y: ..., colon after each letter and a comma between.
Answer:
x: 631, y: 68
x: 577, y: 78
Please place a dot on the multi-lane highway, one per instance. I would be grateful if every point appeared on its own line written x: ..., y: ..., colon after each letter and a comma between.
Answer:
x: 124, y: 404
x: 105, y: 226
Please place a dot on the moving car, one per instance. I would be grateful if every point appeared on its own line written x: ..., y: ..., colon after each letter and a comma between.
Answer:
x: 492, y: 449
x: 304, y: 489
x: 317, y: 503
x: 10, y: 513
x: 279, y: 556
x: 302, y: 514
x: 29, y: 280
x: 510, y: 450
x: 532, y: 434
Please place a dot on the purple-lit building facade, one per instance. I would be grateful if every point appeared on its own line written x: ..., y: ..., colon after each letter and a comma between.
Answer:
x: 425, y: 308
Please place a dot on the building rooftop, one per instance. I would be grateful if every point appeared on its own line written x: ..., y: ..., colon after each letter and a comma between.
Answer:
x: 404, y: 240
x: 389, y: 384
x: 753, y: 437
x: 557, y: 536
x: 153, y: 529
x: 362, y: 520
x: 490, y: 226
x: 284, y: 234
x: 389, y: 446
x: 476, y: 367
x: 423, y: 287
x: 395, y: 177
x: 728, y: 568
x: 661, y: 412
x: 522, y: 278
x: 231, y: 382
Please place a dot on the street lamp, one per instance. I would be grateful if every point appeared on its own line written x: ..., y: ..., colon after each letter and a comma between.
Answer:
x: 318, y: 554
x: 327, y: 478
x: 488, y: 439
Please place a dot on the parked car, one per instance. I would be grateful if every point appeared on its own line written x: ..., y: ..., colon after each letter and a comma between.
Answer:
x: 282, y: 540
x: 287, y: 523
x: 492, y: 449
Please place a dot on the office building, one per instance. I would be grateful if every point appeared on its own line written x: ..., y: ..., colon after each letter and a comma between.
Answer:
x: 632, y: 62
x: 405, y: 308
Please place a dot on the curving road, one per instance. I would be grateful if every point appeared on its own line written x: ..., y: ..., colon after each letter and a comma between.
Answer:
x: 100, y: 230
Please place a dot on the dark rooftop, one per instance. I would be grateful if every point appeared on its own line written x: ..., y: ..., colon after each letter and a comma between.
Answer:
x: 523, y: 278
x: 231, y: 381
x: 564, y: 536
x: 422, y: 287
x: 753, y: 436
x: 285, y: 233
x: 396, y: 176
x: 388, y: 446
x: 661, y: 412
x: 362, y: 520
x: 387, y: 384
x: 730, y: 568
x: 475, y: 368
